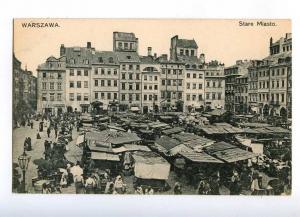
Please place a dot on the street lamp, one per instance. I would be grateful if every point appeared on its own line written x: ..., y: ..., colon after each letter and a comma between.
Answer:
x: 23, y: 163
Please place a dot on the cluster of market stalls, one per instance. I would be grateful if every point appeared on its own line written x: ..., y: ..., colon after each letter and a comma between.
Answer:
x: 150, y: 147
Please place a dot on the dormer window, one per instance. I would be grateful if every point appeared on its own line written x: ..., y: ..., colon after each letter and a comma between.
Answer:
x: 128, y: 57
x: 110, y: 60
x: 100, y: 59
x: 192, y: 52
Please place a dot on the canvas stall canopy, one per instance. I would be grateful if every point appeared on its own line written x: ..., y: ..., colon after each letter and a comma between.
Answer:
x: 104, y: 156
x: 80, y: 139
x: 149, y: 165
x: 229, y: 153
x: 200, y: 157
x: 174, y: 130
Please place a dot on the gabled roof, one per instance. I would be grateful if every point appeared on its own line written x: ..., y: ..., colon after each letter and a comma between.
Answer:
x: 187, y: 43
x: 127, y: 57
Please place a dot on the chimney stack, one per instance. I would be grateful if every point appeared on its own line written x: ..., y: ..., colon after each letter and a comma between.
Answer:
x: 202, y: 58
x: 62, y: 50
x: 89, y: 45
x: 155, y: 55
x: 271, y: 41
x: 149, y: 51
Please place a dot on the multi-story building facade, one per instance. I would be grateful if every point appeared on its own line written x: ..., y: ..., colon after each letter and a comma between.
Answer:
x: 78, y: 77
x: 105, y: 79
x: 125, y: 47
x: 24, y: 90
x: 253, y: 87
x: 151, y: 71
x: 231, y: 73
x: 214, y: 86
x: 51, y: 86
x: 241, y: 94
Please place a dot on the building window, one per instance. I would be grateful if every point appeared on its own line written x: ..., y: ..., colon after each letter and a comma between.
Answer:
x: 44, y: 85
x: 115, y: 83
x: 86, y: 97
x: 188, y: 97
x: 145, y: 97
x: 163, y: 82
x: 59, y: 86
x: 188, y: 85
x: 123, y: 86
x: 181, y: 52
x: 59, y: 75
x: 86, y: 72
x: 200, y: 97
x: 115, y: 96
x: 207, y: 84
x: 282, y: 83
x: 130, y: 67
x: 188, y: 75
x: 213, y: 96
x: 115, y: 72
x: 123, y: 67
x: 96, y: 83
x: 194, y: 75
x: 44, y: 97
x: 51, y: 85
x: 130, y: 97
x: 155, y: 78
x: 78, y: 72
x: 130, y: 76
x: 192, y: 53
x: 130, y: 86
x: 123, y: 97
x: 145, y: 87
x: 145, y: 77
x: 108, y: 71
x: 137, y: 76
x: 78, y: 97
x: 123, y: 76
x: 51, y: 75
x: 137, y: 97
x: 200, y: 86
x: 44, y: 75
x: 137, y: 67
x: 108, y: 83
x: 187, y: 52
x: 179, y: 82
x: 110, y: 60
x: 155, y: 87
x: 71, y: 72
x: 78, y: 84
x: 194, y: 86
x: 96, y: 95
x: 108, y: 96
x: 102, y: 83
x: 59, y: 97
x: 102, y: 71
x: 51, y: 96
x: 207, y: 95
x: 137, y: 87
x: 71, y: 84
x: 102, y: 96
x: 86, y: 84
x: 150, y: 97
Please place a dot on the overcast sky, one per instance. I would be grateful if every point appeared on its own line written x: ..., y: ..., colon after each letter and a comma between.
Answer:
x: 222, y: 40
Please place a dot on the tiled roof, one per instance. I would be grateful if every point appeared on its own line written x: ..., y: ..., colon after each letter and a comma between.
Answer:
x: 126, y: 57
x: 187, y: 43
x: 105, y: 57
x: 149, y: 60
x: 79, y: 54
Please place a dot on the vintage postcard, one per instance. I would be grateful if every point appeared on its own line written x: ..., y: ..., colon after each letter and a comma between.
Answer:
x: 152, y: 106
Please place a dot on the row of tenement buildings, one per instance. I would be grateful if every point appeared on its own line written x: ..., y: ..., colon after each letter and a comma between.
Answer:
x: 124, y: 80
x: 24, y: 91
x: 262, y: 86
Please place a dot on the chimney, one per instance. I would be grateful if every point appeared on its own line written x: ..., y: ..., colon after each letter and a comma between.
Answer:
x: 149, y: 51
x: 155, y: 55
x: 271, y: 41
x: 62, y: 50
x: 89, y: 45
x: 202, y: 58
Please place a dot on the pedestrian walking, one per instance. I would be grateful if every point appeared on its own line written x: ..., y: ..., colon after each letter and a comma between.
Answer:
x: 48, y: 132
x: 177, y: 188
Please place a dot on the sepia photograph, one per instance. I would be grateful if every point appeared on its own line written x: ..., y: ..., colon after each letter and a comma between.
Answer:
x: 152, y: 106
